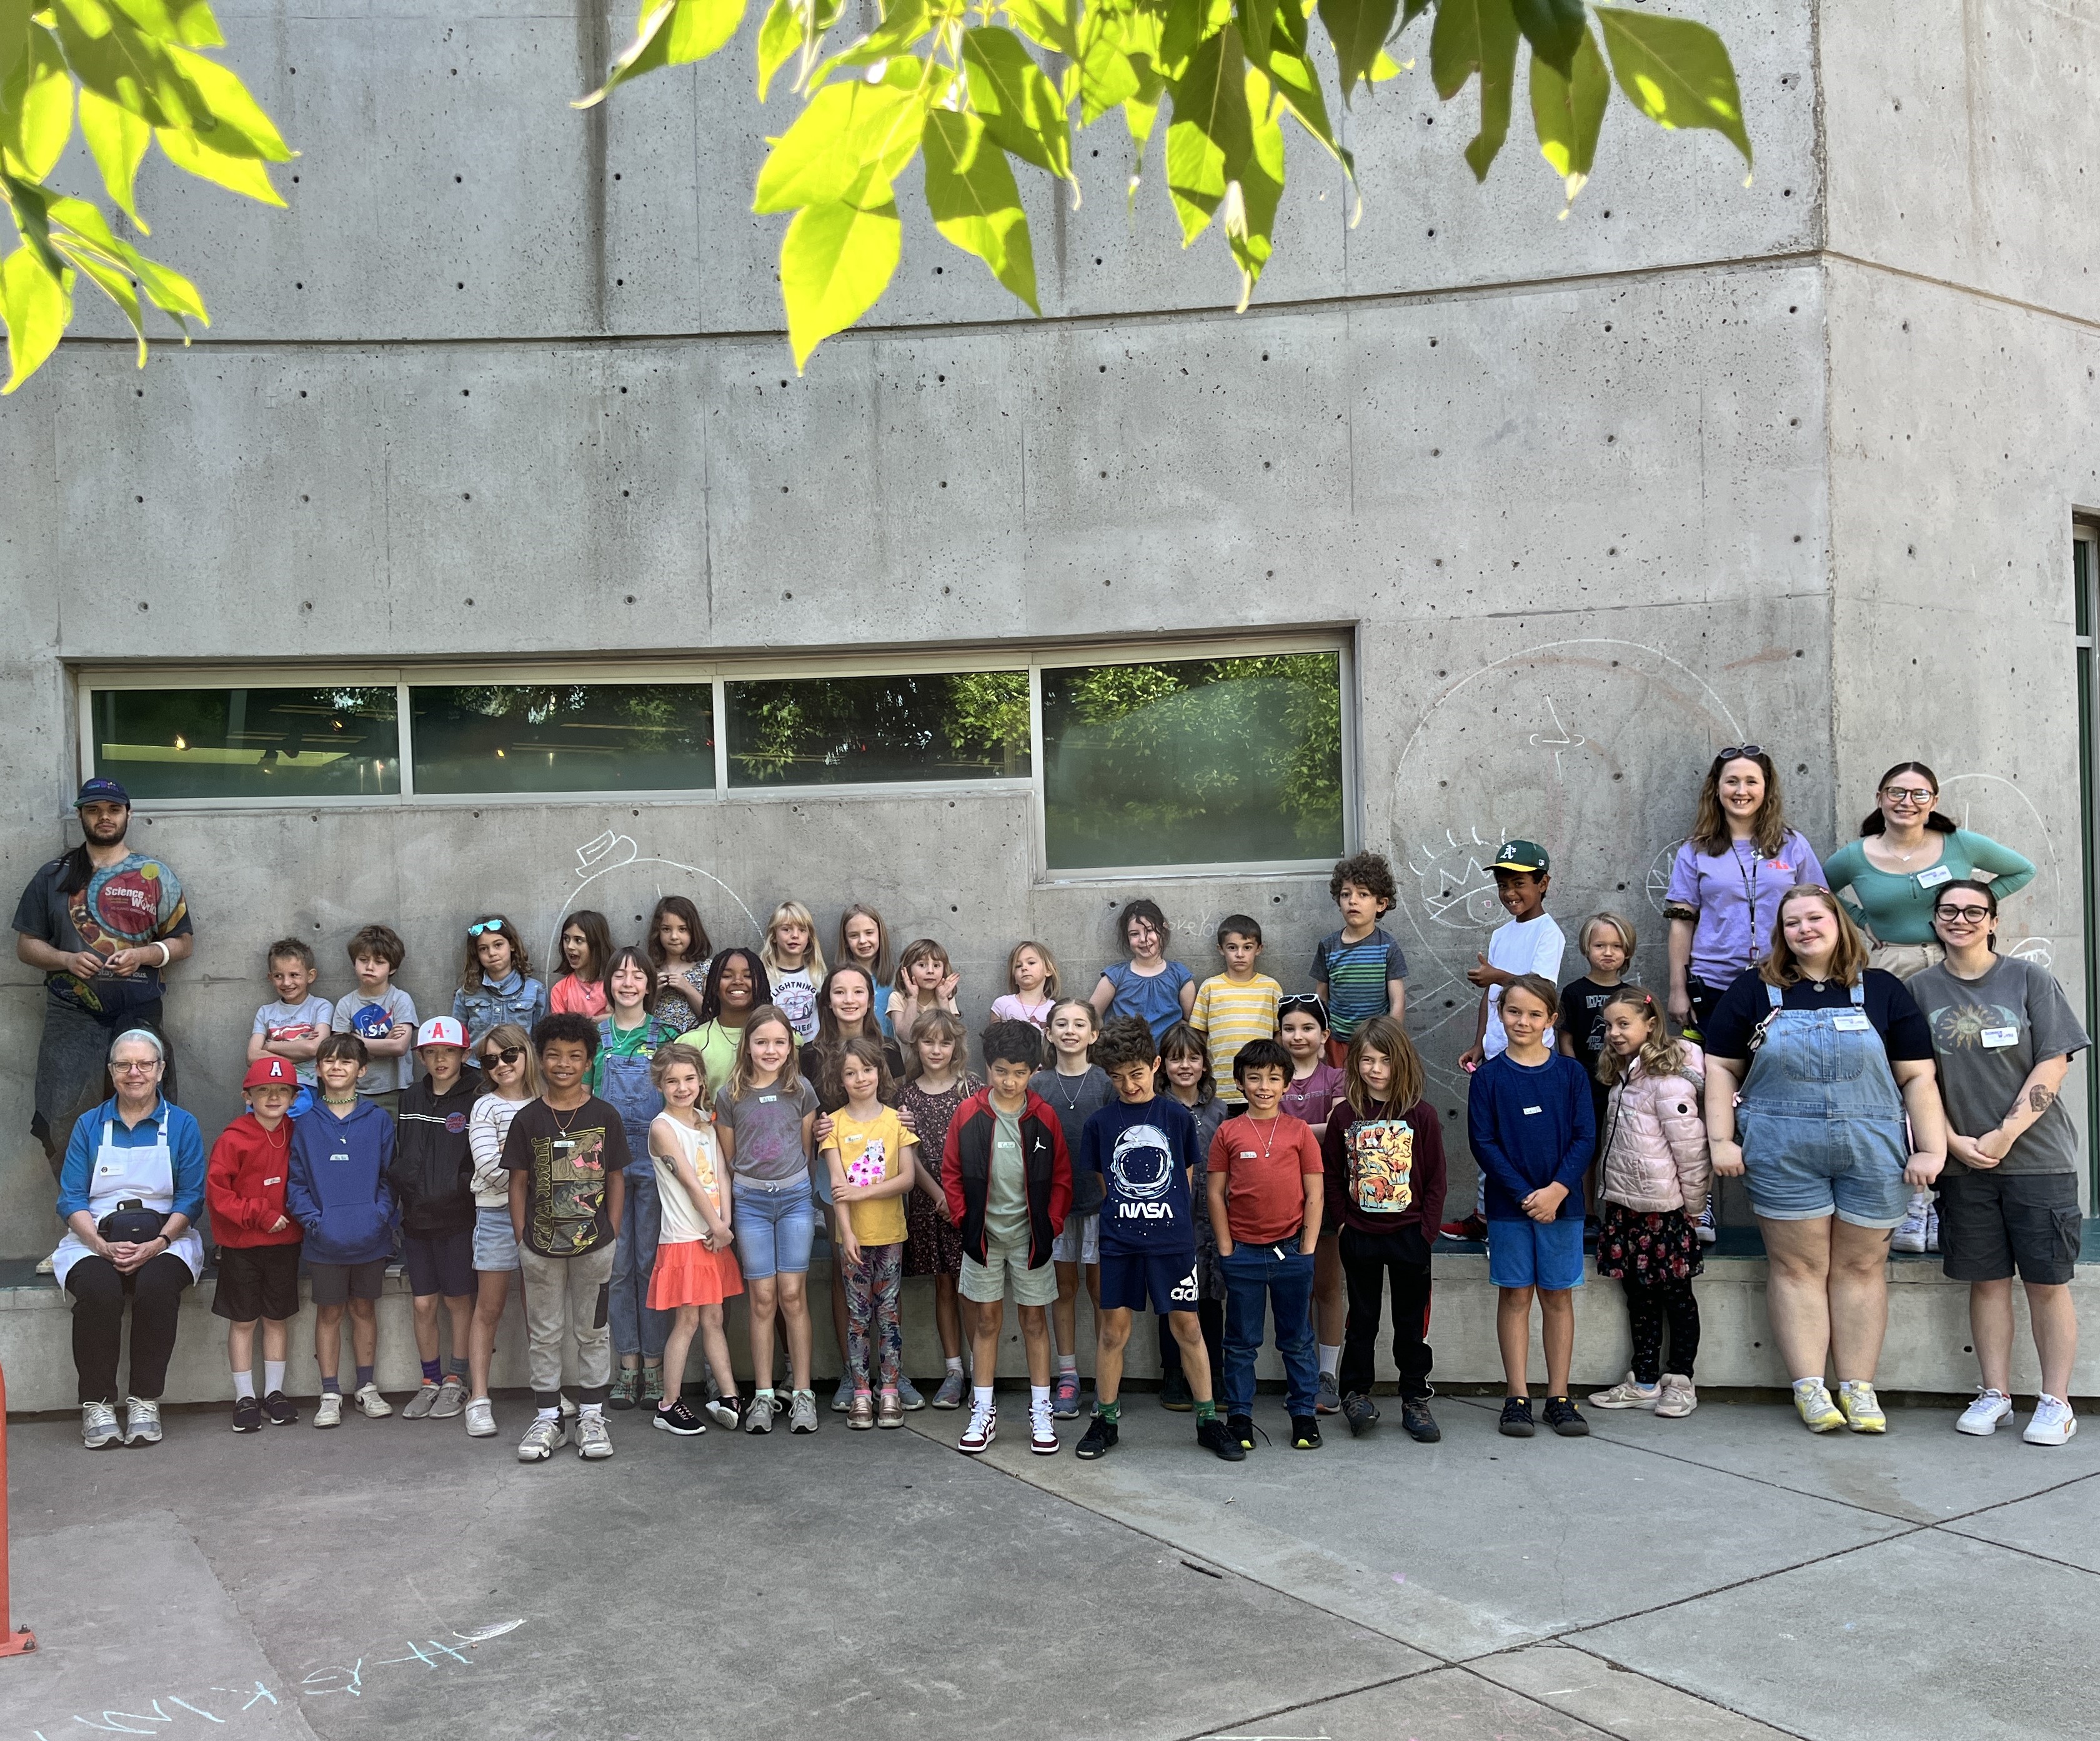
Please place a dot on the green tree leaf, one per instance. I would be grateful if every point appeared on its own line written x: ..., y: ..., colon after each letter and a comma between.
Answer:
x: 1107, y: 74
x: 1257, y: 188
x: 1358, y: 29
x: 1053, y: 24
x: 244, y: 174
x: 1554, y: 27
x: 971, y: 192
x: 902, y: 24
x: 1212, y: 135
x: 118, y: 141
x: 1295, y: 80
x: 1677, y: 73
x: 669, y: 34
x: 778, y: 38
x: 843, y: 129
x: 836, y: 260
x: 1569, y: 113
x: 1477, y: 36
x: 35, y: 107
x: 1018, y: 105
x: 36, y: 305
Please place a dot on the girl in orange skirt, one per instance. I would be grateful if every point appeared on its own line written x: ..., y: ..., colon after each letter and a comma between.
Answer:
x: 696, y: 1264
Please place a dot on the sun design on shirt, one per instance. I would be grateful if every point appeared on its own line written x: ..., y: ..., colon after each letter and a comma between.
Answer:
x: 1961, y: 1027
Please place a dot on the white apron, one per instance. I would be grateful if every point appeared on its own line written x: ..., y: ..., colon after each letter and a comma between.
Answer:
x: 116, y: 1174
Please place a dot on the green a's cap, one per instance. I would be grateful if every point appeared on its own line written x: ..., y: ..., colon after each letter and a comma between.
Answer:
x: 1522, y: 855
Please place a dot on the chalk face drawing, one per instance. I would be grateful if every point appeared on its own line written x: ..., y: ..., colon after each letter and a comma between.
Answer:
x: 1611, y: 736
x: 623, y: 873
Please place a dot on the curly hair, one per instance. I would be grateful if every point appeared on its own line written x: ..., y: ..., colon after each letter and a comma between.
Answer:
x: 1125, y: 1040
x: 1003, y: 1042
x: 1366, y: 870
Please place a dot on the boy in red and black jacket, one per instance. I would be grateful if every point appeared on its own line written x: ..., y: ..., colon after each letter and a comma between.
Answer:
x: 258, y: 1241
x: 1008, y: 1182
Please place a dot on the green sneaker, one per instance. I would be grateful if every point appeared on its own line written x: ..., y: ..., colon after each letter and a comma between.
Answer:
x: 626, y: 1387
x: 652, y: 1384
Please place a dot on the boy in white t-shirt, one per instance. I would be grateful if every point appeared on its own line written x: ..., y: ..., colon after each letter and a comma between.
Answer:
x: 1531, y: 943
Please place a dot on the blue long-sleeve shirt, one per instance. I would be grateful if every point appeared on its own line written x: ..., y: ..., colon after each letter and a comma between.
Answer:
x: 336, y: 1187
x: 1531, y: 1126
x: 185, y: 1150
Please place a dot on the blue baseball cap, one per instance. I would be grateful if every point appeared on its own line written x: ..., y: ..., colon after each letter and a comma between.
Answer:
x: 102, y: 792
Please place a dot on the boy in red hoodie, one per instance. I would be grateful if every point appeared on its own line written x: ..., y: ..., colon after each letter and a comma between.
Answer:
x: 259, y: 1241
x: 1008, y: 1182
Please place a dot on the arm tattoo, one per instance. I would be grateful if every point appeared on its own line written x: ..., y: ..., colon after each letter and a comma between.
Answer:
x: 2040, y: 1098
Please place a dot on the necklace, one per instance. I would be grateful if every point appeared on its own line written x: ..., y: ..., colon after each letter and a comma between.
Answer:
x: 561, y: 1124
x: 1269, y: 1142
x: 330, y: 1100
x: 1070, y: 1101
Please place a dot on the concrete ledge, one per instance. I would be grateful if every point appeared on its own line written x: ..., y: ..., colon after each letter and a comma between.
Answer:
x: 1928, y: 1349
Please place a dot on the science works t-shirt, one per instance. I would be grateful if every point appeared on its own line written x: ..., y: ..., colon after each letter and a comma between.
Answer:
x: 1143, y: 1154
x: 136, y: 900
x: 567, y: 1158
x: 1987, y: 1036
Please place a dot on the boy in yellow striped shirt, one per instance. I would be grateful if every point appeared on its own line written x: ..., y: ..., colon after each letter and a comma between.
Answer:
x: 1235, y: 1007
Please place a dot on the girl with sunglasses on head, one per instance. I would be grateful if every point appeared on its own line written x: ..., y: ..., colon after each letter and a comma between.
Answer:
x: 1727, y: 879
x: 2003, y: 1036
x: 512, y: 1076
x: 496, y: 983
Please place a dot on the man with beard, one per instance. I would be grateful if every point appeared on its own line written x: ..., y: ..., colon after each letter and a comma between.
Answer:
x: 101, y: 923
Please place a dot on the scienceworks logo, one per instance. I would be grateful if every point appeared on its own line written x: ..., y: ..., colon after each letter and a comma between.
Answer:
x: 1142, y: 1168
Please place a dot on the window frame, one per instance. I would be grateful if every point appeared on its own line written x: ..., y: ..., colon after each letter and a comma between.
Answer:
x: 2085, y: 623
x: 1033, y: 658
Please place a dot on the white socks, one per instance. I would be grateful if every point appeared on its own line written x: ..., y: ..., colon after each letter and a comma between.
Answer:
x: 1068, y: 1363
x: 980, y: 1397
x: 593, y: 1409
x: 954, y: 1363
x: 1039, y: 1397
x: 549, y: 1414
x: 1330, y: 1358
x: 273, y: 1377
x: 244, y: 1384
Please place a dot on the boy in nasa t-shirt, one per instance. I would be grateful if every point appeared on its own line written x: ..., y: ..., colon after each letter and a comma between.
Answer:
x: 1144, y: 1147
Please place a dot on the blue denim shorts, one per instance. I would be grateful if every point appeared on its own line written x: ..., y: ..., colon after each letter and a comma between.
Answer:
x: 1802, y: 1169
x: 495, y: 1244
x: 774, y: 1229
x: 1529, y: 1253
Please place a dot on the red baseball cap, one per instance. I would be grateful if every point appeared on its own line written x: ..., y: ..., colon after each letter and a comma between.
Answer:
x: 271, y: 1072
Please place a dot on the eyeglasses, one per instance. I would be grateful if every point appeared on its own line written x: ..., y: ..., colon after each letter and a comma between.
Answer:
x: 1736, y: 751
x: 485, y: 925
x: 1908, y: 794
x: 136, y: 1069
x: 1963, y: 915
x: 508, y: 1055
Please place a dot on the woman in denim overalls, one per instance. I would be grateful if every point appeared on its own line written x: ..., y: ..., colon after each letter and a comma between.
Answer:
x: 1834, y: 1135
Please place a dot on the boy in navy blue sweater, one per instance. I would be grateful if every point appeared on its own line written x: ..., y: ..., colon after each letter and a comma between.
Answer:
x: 1533, y: 1131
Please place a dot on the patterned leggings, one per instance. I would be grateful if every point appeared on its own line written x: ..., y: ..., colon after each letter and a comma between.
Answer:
x: 872, y: 1290
x: 1647, y: 1310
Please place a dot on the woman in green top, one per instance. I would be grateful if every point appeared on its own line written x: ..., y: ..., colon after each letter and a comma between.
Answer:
x: 736, y: 986
x: 1906, y: 852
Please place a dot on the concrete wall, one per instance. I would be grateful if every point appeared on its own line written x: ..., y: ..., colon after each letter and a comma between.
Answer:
x: 1589, y: 496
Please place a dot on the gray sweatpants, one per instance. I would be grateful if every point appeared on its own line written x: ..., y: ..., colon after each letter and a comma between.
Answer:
x: 568, y: 1294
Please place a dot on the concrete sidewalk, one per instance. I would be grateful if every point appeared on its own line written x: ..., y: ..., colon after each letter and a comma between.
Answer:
x: 1718, y: 1578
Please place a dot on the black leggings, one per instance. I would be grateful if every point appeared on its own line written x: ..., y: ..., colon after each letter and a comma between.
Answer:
x: 99, y: 1291
x: 1647, y: 1310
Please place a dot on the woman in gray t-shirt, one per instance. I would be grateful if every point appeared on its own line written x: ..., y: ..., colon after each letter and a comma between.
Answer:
x: 2003, y: 1036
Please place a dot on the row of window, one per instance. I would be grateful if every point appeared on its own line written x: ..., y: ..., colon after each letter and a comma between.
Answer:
x: 1187, y: 762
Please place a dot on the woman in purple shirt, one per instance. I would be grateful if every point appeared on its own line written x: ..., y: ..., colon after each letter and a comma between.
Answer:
x: 1725, y: 887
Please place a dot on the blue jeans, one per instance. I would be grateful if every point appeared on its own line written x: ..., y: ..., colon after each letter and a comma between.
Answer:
x: 1257, y: 1276
x: 636, y: 1328
x: 774, y: 1230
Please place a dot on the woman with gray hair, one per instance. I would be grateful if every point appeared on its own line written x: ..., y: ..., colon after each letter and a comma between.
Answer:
x: 131, y: 1187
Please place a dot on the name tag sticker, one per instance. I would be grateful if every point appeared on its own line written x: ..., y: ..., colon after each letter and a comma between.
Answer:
x: 1995, y: 1037
x: 1932, y: 879
x: 273, y: 1182
x: 107, y: 1170
x: 1248, y: 1154
x: 1850, y: 1022
x: 1531, y: 1111
x: 767, y: 1100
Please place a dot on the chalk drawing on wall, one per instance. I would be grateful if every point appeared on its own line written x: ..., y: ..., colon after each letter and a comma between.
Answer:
x: 611, y: 852
x: 1610, y: 734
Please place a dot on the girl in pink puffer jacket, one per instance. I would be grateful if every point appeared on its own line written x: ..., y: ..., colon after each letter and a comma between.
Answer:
x: 1656, y: 1177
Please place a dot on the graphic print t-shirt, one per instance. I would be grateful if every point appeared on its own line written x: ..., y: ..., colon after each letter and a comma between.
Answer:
x: 1143, y: 1154
x: 136, y: 900
x: 374, y: 1019
x: 567, y: 1158
x: 1987, y: 1035
x: 307, y: 1019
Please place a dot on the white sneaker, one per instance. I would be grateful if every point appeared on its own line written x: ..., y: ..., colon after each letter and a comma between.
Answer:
x: 49, y: 1266
x: 142, y: 1421
x: 1628, y: 1392
x: 328, y: 1412
x: 542, y: 1439
x: 480, y: 1418
x: 1910, y: 1235
x: 1042, y: 1429
x: 97, y: 1425
x: 593, y: 1443
x: 1980, y: 1419
x: 2054, y: 1422
x: 371, y: 1404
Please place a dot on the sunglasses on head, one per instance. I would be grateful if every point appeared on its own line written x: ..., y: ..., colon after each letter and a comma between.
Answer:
x: 485, y: 925
x: 1736, y: 751
x: 508, y: 1055
x: 1301, y: 1003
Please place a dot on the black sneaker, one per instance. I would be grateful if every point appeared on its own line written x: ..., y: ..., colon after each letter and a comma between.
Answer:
x: 247, y: 1415
x: 1241, y: 1428
x: 1516, y: 1417
x: 678, y: 1419
x: 1212, y: 1436
x: 1175, y: 1393
x: 1098, y: 1440
x: 278, y: 1407
x: 1361, y: 1412
x: 1421, y: 1425
x: 1565, y: 1419
x: 1304, y: 1433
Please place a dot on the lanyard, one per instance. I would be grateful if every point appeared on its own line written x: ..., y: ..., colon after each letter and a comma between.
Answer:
x: 1750, y: 893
